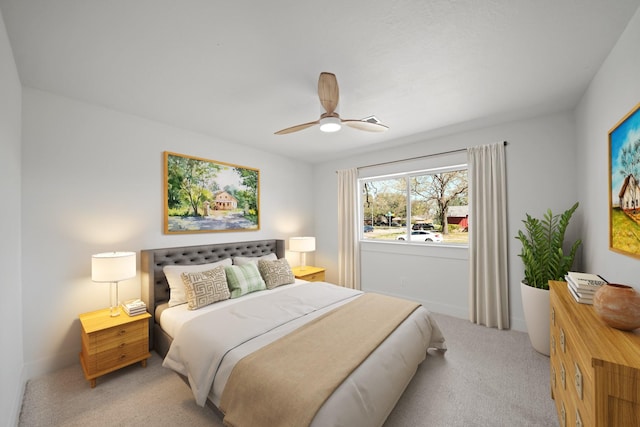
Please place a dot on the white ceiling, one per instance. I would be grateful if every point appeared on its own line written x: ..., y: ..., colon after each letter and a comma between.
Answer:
x: 241, y: 70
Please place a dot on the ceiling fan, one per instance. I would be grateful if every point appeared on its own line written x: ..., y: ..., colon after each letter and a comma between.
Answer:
x: 330, y: 121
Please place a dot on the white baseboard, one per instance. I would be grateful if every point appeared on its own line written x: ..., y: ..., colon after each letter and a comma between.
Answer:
x: 433, y: 306
x: 518, y: 325
x: 32, y: 370
x: 455, y: 311
x: 16, y: 405
x: 50, y: 364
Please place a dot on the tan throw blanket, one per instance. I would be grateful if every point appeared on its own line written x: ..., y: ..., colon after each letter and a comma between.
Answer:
x: 202, y: 343
x: 286, y: 382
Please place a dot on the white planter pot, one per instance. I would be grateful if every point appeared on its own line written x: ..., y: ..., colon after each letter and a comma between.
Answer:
x: 535, y: 303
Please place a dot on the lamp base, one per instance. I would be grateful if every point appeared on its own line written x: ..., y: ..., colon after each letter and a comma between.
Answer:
x: 303, y: 263
x: 114, y: 310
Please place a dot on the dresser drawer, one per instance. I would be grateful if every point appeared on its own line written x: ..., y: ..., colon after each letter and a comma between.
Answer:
x: 601, y: 366
x: 571, y: 374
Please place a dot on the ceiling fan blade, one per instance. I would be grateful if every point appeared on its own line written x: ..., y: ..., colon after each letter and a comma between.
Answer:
x: 364, y: 125
x: 296, y: 128
x: 328, y: 91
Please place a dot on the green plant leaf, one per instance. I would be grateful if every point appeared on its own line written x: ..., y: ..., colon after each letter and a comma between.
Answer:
x: 542, y: 251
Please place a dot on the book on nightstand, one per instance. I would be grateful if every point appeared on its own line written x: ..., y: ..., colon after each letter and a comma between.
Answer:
x: 583, y: 286
x: 134, y: 307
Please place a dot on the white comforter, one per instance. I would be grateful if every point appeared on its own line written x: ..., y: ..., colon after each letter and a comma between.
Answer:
x: 206, y: 348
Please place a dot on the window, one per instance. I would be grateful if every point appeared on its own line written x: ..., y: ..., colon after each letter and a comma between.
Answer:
x: 424, y: 206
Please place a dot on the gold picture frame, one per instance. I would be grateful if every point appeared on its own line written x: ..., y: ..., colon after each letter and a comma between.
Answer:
x: 206, y: 196
x: 624, y: 185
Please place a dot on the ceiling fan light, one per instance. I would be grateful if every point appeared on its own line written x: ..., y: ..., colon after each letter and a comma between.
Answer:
x: 330, y: 124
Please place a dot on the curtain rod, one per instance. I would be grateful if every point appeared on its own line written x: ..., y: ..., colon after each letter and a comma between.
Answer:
x: 418, y: 157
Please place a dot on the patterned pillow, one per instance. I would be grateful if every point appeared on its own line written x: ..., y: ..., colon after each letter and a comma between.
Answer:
x: 276, y: 273
x: 173, y: 273
x: 244, y: 279
x: 205, y: 287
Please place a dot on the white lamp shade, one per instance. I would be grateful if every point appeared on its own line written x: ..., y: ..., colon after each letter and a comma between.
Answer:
x: 113, y: 266
x: 302, y: 244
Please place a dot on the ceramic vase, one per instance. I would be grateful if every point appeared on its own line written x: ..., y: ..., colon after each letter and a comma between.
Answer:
x: 618, y: 306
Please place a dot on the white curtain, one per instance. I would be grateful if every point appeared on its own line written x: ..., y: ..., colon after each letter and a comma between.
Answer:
x: 348, y: 247
x: 488, y: 276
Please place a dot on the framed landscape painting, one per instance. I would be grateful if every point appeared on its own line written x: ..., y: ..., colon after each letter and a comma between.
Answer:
x: 203, y: 196
x: 624, y: 185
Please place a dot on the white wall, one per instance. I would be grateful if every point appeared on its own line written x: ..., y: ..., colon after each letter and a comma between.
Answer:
x: 612, y: 94
x: 92, y: 182
x: 11, y: 367
x: 540, y: 174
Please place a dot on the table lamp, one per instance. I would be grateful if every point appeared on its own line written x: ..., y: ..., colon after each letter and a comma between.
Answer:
x: 302, y: 245
x: 113, y: 267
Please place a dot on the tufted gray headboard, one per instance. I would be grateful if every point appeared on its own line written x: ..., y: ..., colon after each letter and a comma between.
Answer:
x: 155, y: 289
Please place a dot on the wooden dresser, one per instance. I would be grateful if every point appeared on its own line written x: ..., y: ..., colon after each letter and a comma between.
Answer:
x: 110, y: 343
x: 595, y: 369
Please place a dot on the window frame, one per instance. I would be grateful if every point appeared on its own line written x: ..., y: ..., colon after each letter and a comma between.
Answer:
x: 408, y: 226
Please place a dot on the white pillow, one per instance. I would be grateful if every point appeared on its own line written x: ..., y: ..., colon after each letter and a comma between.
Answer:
x: 241, y: 260
x: 173, y: 273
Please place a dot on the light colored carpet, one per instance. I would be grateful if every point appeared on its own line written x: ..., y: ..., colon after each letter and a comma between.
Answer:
x: 486, y: 378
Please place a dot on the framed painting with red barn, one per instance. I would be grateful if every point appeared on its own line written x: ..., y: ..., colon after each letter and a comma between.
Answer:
x: 624, y: 185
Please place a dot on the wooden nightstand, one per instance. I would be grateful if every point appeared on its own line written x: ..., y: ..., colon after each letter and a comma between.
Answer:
x: 110, y: 343
x: 312, y: 274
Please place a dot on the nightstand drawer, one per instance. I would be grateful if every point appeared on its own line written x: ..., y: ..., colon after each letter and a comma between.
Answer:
x: 314, y: 277
x: 115, y: 337
x: 309, y: 273
x: 122, y: 354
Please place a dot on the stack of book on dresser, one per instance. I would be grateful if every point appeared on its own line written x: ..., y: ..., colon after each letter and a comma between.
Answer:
x: 583, y: 286
x: 134, y: 307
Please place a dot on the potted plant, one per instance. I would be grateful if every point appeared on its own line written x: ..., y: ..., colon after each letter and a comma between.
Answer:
x: 544, y: 257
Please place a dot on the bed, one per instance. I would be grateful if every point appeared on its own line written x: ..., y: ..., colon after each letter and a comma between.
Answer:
x: 371, y: 388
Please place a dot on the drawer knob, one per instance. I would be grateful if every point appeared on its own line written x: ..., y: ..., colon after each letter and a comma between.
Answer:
x: 122, y: 331
x: 578, y: 379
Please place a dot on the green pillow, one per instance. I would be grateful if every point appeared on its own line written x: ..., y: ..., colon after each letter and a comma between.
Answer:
x: 244, y: 279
